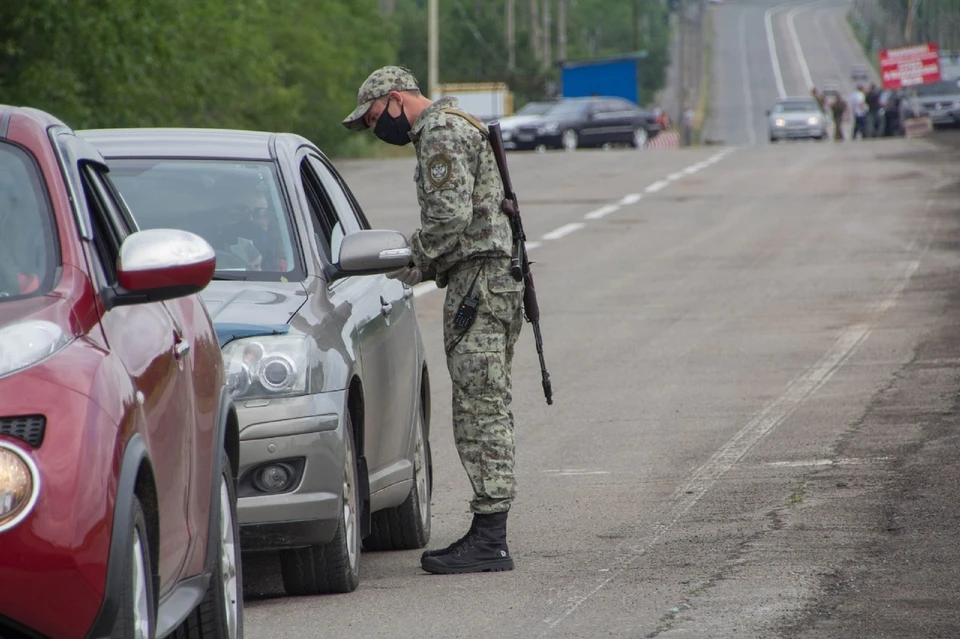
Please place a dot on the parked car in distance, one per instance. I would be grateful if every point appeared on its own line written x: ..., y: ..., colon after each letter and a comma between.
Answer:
x: 860, y: 73
x: 119, y: 441
x: 323, y: 353
x: 796, y: 118
x: 575, y: 123
x: 940, y: 101
x: 528, y: 113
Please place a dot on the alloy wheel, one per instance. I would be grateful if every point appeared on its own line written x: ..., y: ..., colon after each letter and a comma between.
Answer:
x: 228, y: 561
x: 141, y: 601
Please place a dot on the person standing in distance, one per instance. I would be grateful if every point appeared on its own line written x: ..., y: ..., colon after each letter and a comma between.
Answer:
x: 464, y: 244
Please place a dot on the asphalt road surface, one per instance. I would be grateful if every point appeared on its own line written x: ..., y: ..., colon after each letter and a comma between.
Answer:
x: 755, y: 355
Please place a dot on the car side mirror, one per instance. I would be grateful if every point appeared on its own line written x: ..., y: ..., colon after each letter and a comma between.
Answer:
x: 371, y: 252
x: 161, y: 264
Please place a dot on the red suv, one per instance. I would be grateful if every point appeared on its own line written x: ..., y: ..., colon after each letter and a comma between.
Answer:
x: 118, y: 439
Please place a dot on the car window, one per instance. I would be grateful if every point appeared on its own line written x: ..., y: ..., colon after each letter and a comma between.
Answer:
x: 335, y: 188
x: 795, y: 107
x: 28, y: 243
x: 108, y: 235
x: 620, y: 106
x: 946, y: 87
x: 332, y: 210
x: 572, y: 108
x: 534, y: 108
x: 235, y: 205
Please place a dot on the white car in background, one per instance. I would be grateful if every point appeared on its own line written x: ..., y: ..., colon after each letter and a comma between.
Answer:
x: 797, y: 118
x: 530, y: 112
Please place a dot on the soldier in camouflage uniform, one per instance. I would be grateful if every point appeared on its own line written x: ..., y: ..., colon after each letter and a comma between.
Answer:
x: 464, y: 243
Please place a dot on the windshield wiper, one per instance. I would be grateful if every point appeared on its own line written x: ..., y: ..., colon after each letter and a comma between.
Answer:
x: 226, y: 277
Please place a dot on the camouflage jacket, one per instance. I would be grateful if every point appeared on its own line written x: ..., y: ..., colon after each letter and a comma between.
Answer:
x: 459, y: 191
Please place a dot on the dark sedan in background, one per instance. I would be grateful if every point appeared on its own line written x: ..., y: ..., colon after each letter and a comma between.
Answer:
x: 575, y: 123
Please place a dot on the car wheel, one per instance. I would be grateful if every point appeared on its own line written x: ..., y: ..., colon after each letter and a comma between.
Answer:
x: 333, y: 567
x: 220, y: 614
x: 570, y: 140
x: 639, y: 139
x: 137, y: 616
x: 408, y: 525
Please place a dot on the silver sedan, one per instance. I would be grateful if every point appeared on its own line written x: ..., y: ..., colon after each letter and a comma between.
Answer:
x: 323, y: 353
x: 797, y: 118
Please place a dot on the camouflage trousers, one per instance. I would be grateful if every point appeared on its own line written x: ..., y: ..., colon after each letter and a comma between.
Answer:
x: 480, y: 371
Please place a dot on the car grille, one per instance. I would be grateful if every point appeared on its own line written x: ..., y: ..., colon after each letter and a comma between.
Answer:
x: 29, y: 428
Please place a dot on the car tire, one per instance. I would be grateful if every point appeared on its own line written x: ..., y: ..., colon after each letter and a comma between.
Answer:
x: 407, y: 526
x: 220, y: 614
x: 333, y: 567
x: 569, y: 140
x: 638, y: 139
x: 137, y: 616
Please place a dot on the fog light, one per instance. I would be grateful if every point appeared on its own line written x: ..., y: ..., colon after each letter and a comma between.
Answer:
x: 19, y: 486
x: 274, y: 478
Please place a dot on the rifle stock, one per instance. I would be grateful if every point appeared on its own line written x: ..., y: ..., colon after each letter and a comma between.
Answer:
x: 519, y: 263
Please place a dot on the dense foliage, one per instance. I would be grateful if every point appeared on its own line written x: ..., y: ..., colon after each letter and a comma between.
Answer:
x: 283, y: 64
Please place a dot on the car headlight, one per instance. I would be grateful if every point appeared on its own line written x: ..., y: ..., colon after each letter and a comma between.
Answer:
x: 549, y: 128
x: 19, y: 486
x: 25, y: 343
x: 780, y: 122
x: 813, y: 121
x: 267, y: 367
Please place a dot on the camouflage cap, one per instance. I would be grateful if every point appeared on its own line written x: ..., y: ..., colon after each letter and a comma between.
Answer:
x: 378, y: 84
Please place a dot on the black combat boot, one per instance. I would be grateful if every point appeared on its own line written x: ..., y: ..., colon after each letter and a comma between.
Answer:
x: 484, y: 549
x: 436, y: 552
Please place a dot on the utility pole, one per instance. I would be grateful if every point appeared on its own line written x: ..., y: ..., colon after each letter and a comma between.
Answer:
x: 535, y: 38
x: 433, y: 47
x: 562, y: 31
x: 681, y: 63
x: 547, y: 33
x: 511, y: 36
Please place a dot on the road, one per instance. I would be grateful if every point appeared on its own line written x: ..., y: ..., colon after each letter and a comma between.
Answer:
x: 755, y: 359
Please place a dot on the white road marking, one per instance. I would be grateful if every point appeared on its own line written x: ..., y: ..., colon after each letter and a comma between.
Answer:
x: 745, y: 72
x: 842, y: 461
x: 577, y: 471
x: 766, y: 421
x: 602, y: 212
x: 771, y: 43
x: 792, y: 29
x: 632, y: 198
x: 563, y: 231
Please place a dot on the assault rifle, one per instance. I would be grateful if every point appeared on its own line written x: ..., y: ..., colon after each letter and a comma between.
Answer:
x: 519, y: 263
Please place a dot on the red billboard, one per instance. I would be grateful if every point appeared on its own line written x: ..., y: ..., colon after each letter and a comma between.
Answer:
x: 909, y: 66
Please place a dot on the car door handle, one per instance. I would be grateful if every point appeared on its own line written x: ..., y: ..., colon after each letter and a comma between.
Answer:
x: 385, y: 307
x: 181, y: 346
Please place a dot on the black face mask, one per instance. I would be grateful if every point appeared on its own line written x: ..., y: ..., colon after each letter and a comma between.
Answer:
x: 393, y: 130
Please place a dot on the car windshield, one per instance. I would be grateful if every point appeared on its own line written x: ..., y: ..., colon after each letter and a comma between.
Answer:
x: 535, y: 108
x: 795, y: 106
x: 234, y: 205
x: 947, y: 87
x: 28, y: 248
x: 572, y: 107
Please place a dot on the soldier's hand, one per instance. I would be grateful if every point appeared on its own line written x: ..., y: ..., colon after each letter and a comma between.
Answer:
x: 409, y: 275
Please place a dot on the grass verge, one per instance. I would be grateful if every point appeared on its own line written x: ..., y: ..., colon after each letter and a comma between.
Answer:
x: 862, y: 37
